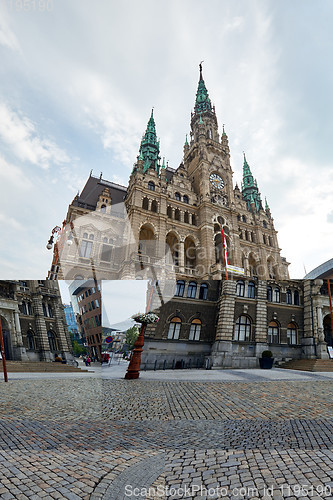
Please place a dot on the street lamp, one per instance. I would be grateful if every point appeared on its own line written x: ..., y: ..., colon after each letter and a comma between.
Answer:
x: 55, y: 230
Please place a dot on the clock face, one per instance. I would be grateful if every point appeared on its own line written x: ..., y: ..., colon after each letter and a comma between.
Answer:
x: 216, y: 181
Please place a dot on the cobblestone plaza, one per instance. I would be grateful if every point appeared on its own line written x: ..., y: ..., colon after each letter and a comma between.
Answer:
x: 232, y: 434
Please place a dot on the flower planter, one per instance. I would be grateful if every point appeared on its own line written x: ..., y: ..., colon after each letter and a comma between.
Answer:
x: 266, y: 363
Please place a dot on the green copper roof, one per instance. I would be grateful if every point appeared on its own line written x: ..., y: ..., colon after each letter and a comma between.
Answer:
x: 250, y: 189
x: 202, y: 101
x: 223, y: 132
x: 150, y: 147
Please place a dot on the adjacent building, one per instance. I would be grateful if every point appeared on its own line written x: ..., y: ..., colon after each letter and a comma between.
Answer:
x: 88, y: 296
x: 33, y: 321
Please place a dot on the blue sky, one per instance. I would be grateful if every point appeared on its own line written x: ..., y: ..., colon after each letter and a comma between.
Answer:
x: 78, y: 82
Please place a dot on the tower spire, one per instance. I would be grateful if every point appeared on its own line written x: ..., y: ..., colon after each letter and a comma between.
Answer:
x: 202, y: 101
x: 250, y: 189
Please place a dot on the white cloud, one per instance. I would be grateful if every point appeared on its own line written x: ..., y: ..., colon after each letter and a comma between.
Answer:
x: 19, y: 132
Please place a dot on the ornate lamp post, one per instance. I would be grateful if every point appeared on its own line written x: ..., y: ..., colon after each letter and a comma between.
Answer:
x: 133, y: 370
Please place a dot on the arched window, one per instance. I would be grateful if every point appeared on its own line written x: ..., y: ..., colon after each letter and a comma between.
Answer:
x: 103, y: 209
x: 192, y: 290
x: 264, y: 239
x: 151, y: 186
x: 264, y: 223
x: 203, y: 291
x: 242, y: 331
x: 31, y: 340
x: 24, y: 308
x: 154, y: 206
x: 52, y: 340
x: 195, y: 330
x: 289, y: 297
x: 44, y: 309
x: 240, y: 288
x: 273, y: 333
x: 177, y: 196
x: 186, y: 218
x: 185, y: 198
x: 269, y: 294
x: 145, y: 203
x: 174, y: 328
x: 30, y: 309
x: 292, y: 334
x: 177, y: 214
x: 296, y: 298
x: 251, y: 290
x: 194, y: 220
x: 180, y: 287
x: 276, y: 294
x: 49, y: 307
x: 169, y: 212
x: 91, y: 236
x: 243, y: 218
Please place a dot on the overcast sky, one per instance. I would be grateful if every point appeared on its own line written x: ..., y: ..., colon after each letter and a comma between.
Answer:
x: 122, y: 299
x: 78, y: 82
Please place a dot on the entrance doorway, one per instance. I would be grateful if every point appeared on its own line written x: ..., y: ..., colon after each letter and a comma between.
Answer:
x: 6, y: 338
x: 328, y: 330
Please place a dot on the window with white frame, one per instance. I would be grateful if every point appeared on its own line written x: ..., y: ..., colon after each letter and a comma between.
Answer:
x: 195, y: 330
x: 174, y: 328
x: 242, y: 332
x: 273, y: 333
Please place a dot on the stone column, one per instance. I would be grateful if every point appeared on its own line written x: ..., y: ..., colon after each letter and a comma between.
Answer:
x: 222, y: 349
x: 41, y: 333
x: 181, y: 256
x: 261, y: 325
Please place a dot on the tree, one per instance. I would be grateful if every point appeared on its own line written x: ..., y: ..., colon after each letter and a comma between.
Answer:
x: 79, y: 349
x: 131, y: 335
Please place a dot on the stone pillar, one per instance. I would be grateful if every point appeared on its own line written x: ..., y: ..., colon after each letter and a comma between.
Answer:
x: 261, y: 325
x: 310, y: 319
x: 181, y: 256
x: 222, y: 349
x: 41, y: 333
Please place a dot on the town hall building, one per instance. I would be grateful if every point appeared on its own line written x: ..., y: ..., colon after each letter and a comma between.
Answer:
x: 209, y: 245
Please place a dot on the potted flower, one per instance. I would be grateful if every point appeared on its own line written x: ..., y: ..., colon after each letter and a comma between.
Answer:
x: 266, y: 361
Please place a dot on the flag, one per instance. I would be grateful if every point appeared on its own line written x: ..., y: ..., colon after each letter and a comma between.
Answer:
x: 226, y: 260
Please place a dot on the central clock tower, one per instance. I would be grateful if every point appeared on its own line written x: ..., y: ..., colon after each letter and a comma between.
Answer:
x: 207, y: 158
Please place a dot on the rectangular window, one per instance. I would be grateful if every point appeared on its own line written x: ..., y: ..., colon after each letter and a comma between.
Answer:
x: 106, y: 253
x: 96, y: 302
x: 85, y: 249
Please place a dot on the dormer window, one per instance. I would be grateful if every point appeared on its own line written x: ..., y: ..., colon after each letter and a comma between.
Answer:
x: 103, y: 209
x: 151, y: 186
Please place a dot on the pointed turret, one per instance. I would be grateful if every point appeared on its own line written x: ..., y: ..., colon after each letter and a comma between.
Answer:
x: 150, y: 147
x: 250, y: 189
x: 267, y: 209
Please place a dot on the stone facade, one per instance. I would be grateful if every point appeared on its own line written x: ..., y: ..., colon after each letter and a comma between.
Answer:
x: 238, y: 321
x: 33, y: 322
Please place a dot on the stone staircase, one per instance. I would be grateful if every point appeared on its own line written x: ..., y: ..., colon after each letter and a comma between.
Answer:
x: 309, y: 365
x: 22, y: 366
